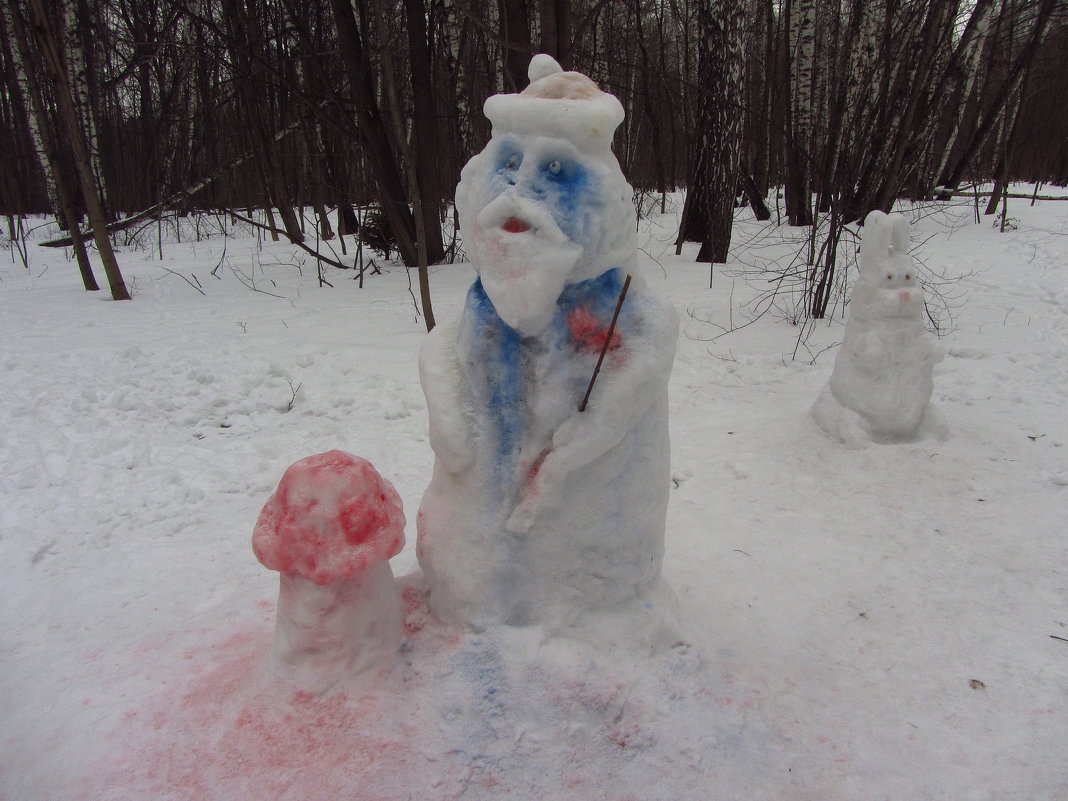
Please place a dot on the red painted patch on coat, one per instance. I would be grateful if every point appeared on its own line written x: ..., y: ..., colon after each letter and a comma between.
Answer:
x: 588, y: 333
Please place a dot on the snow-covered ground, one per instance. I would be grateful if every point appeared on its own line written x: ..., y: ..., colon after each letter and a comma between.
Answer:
x: 884, y: 623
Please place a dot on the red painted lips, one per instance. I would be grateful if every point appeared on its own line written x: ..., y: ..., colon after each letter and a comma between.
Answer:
x: 514, y: 225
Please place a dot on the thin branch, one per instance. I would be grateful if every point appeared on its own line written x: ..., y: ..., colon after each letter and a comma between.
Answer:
x: 301, y: 245
x: 248, y: 284
x: 172, y: 272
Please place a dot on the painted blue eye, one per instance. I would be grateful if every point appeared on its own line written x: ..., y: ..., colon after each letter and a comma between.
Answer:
x: 513, y: 162
x: 559, y: 171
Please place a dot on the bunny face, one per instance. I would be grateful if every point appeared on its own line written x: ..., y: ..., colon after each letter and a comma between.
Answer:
x: 887, y: 286
x: 900, y: 279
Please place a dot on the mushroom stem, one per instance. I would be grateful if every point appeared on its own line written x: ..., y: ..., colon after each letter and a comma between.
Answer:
x: 327, y: 632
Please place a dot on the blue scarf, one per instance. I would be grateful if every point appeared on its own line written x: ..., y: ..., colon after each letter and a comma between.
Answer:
x: 496, y: 362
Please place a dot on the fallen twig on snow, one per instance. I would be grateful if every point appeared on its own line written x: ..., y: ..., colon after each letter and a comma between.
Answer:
x: 173, y: 272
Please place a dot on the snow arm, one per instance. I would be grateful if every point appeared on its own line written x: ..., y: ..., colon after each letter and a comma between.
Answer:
x: 870, y: 353
x: 443, y: 385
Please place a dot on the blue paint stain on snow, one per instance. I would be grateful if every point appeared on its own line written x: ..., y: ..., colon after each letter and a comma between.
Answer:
x: 509, y: 160
x: 558, y: 180
x: 566, y: 186
x: 501, y: 359
x: 481, y: 666
x: 599, y: 295
x: 496, y: 363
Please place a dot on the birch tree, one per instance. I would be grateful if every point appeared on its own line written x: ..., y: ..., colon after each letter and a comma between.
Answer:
x: 81, y: 74
x: 185, y: 104
x: 1040, y: 14
x: 963, y: 75
x: 51, y: 140
x: 801, y: 15
x: 49, y: 40
x: 18, y: 79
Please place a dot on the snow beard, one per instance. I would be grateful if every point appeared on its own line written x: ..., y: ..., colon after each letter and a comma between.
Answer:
x: 522, y: 271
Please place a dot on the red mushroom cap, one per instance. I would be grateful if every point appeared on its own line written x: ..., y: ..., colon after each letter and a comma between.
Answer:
x: 332, y: 517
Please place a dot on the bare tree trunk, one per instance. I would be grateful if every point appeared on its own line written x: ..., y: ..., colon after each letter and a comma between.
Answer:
x: 763, y: 70
x: 555, y: 19
x: 424, y: 134
x: 909, y: 135
x: 182, y: 197
x: 1010, y: 129
x: 515, y: 39
x: 968, y: 55
x: 721, y: 23
x: 753, y: 194
x: 1020, y: 67
x: 24, y: 88
x: 80, y: 76
x: 820, y: 291
x: 42, y: 134
x: 373, y: 132
x: 802, y: 38
x: 655, y: 123
x: 250, y: 42
x: 52, y: 52
x: 412, y: 166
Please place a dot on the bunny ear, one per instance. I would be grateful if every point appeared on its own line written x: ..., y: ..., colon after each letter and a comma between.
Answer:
x: 875, y: 240
x: 900, y: 236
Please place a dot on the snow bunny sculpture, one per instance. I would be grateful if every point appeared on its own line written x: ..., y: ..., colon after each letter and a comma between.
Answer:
x: 880, y: 388
x: 537, y: 512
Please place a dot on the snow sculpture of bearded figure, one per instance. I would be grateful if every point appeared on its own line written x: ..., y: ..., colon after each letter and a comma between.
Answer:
x: 538, y: 513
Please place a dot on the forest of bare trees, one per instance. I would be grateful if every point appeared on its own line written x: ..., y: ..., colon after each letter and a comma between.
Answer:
x: 141, y: 108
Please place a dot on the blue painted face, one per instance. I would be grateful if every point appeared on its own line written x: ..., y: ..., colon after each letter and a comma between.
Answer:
x: 551, y: 173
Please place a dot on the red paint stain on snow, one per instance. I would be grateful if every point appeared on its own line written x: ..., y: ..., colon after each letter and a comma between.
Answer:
x: 231, y: 731
x: 535, y: 468
x: 491, y: 782
x: 588, y: 333
x: 625, y: 736
x: 416, y: 609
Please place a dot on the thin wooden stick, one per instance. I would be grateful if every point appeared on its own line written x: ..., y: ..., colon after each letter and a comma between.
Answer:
x: 607, y: 342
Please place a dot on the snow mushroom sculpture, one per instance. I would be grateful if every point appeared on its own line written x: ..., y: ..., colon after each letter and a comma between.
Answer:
x: 538, y: 512
x: 880, y: 389
x: 330, y: 529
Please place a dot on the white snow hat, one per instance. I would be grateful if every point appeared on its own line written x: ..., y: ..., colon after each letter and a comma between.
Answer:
x: 565, y: 105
